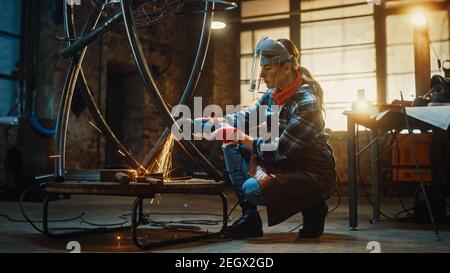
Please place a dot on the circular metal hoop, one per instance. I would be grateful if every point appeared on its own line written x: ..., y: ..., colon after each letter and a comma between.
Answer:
x: 75, y: 69
x: 219, y: 5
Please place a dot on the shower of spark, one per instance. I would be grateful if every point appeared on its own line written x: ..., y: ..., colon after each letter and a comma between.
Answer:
x: 163, y: 162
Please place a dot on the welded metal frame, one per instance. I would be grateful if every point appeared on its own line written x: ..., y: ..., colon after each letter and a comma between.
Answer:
x: 76, y: 49
x: 136, y: 220
x: 153, y: 90
x: 80, y: 231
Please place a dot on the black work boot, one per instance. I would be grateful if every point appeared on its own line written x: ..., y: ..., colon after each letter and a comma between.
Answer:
x: 247, y: 226
x: 313, y: 221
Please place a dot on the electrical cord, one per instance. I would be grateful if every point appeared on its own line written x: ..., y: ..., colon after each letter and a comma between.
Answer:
x: 168, y: 224
x: 32, y: 222
x: 9, y: 218
x: 338, y: 193
x: 22, y: 209
x: 123, y: 216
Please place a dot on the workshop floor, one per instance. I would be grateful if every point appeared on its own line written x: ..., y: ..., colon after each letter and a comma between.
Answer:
x: 392, y: 236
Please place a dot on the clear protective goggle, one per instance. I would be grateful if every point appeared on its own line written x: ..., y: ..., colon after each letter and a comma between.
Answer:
x: 267, y: 51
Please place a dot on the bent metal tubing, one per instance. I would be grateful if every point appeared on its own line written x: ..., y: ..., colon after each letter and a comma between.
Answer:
x: 71, y: 80
x: 67, y: 94
x: 154, y: 93
x: 188, y: 93
x: 89, y: 98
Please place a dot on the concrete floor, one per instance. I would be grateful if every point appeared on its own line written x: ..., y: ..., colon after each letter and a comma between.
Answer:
x: 392, y: 236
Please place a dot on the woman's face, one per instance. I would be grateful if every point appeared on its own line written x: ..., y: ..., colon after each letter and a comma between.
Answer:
x: 273, y: 74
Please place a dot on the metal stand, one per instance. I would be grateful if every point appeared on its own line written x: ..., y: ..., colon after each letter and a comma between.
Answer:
x: 141, y: 191
x: 136, y: 221
x: 80, y: 231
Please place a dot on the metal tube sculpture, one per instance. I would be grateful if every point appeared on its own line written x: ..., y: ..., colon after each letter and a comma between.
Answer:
x: 76, y: 51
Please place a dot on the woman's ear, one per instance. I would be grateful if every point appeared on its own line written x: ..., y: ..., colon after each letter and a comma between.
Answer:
x: 287, y: 67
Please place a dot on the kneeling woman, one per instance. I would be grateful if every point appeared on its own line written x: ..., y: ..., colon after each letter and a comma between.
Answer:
x: 297, y: 176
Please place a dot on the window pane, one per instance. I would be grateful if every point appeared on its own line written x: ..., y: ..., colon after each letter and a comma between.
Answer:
x: 264, y: 7
x: 246, y: 65
x: 400, y: 59
x: 274, y: 33
x: 401, y: 82
x: 337, y: 12
x: 10, y: 16
x: 337, y: 33
x: 400, y: 51
x: 9, y: 54
x: 246, y: 42
x: 340, y: 60
x: 8, y: 95
x: 341, y: 55
x: 313, y: 4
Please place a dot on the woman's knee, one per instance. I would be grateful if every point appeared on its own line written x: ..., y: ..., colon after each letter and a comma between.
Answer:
x: 253, y: 192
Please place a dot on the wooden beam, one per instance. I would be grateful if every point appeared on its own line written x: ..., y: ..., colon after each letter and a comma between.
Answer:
x: 265, y: 24
x: 380, y: 51
x: 448, y: 21
x: 422, y: 60
x: 294, y: 22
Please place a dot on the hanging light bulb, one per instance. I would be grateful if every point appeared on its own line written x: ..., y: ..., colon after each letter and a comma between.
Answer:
x: 218, y: 22
x: 218, y: 25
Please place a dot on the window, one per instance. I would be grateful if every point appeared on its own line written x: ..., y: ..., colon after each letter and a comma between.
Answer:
x: 338, y: 47
x: 9, y: 53
x: 264, y: 10
x: 400, y: 51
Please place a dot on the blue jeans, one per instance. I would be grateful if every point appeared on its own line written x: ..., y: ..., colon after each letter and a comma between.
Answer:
x: 247, y: 187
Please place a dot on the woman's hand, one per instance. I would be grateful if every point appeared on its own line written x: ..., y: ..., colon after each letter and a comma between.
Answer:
x: 229, y: 134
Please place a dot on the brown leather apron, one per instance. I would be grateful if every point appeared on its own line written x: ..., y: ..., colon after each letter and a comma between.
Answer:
x: 287, y: 192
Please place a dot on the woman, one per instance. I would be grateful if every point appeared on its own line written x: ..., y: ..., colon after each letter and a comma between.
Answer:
x: 300, y: 173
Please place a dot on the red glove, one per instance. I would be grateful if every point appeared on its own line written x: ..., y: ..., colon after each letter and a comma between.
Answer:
x: 227, y: 134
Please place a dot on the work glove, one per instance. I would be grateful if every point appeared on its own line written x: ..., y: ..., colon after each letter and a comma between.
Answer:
x: 205, y: 121
x: 226, y: 133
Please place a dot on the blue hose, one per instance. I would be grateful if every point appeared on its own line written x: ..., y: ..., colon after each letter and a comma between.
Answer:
x: 38, y: 127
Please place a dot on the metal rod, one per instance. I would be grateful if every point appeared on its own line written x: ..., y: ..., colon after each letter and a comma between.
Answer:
x: 352, y: 197
x: 390, y: 149
x: 69, y: 87
x: 91, y: 36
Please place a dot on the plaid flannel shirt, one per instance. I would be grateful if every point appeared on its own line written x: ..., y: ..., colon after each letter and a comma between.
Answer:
x: 301, y: 128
